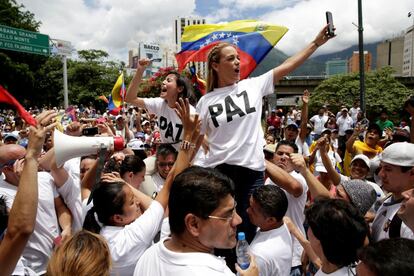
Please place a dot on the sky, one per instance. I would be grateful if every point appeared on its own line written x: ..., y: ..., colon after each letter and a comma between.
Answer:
x: 116, y: 26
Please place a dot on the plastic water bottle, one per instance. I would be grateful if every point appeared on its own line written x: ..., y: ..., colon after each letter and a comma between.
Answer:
x: 242, y: 251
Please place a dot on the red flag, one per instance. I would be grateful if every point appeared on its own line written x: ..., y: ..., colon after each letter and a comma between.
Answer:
x: 5, y: 97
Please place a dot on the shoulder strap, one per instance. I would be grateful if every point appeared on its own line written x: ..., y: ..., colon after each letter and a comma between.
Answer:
x: 395, y: 227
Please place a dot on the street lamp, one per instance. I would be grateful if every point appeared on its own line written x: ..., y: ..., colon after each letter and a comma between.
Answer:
x: 361, y: 59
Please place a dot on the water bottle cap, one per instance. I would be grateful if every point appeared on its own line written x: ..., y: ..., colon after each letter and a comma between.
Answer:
x: 241, y: 236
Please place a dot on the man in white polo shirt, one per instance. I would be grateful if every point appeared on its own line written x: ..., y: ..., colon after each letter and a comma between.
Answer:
x: 397, y: 175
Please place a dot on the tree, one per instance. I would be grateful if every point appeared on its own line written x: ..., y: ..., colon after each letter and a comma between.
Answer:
x: 382, y: 90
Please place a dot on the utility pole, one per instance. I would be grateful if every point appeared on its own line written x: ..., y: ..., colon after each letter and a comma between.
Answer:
x: 361, y: 59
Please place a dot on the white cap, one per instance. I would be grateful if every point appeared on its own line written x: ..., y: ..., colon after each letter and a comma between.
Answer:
x: 399, y: 154
x: 136, y: 144
x: 362, y: 157
x: 320, y: 168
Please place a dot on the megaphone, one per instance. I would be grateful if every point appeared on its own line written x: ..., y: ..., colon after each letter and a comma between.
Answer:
x: 67, y: 147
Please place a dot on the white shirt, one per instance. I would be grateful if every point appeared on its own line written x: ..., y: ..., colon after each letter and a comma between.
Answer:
x: 159, y: 260
x: 231, y: 118
x: 71, y: 194
x: 381, y: 224
x: 318, y: 123
x: 343, y: 271
x: 354, y: 112
x: 129, y: 242
x: 170, y: 125
x: 295, y: 211
x: 40, y: 245
x: 273, y: 251
x: 344, y: 124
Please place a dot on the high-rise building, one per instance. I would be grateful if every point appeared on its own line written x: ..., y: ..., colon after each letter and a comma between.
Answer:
x: 179, y: 24
x: 353, y: 63
x: 408, y: 56
x: 336, y: 66
x: 390, y: 53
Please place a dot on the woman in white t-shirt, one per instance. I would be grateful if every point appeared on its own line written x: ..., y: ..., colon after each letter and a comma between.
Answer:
x: 174, y: 87
x: 128, y: 219
x: 231, y: 114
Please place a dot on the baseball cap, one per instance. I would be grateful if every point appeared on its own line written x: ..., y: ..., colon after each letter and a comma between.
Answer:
x: 145, y: 122
x: 362, y: 157
x: 344, y: 109
x: 292, y: 125
x: 139, y: 134
x: 326, y: 130
x: 118, y: 116
x: 399, y: 154
x: 136, y: 144
x: 361, y: 194
x: 11, y: 135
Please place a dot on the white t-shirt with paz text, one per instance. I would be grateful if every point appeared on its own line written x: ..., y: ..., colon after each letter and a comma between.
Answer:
x: 170, y: 125
x: 231, y: 118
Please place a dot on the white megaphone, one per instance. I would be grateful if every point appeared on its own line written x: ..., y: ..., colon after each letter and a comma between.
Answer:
x: 67, y: 147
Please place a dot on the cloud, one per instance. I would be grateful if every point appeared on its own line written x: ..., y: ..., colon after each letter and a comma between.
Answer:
x: 306, y: 18
x: 117, y: 26
x: 110, y: 25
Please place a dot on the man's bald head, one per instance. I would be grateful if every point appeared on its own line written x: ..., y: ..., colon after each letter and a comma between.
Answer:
x: 11, y: 152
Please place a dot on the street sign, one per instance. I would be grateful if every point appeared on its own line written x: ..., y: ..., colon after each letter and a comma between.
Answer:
x: 23, y: 41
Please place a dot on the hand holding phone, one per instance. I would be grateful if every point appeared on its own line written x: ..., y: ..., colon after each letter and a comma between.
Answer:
x: 329, y: 21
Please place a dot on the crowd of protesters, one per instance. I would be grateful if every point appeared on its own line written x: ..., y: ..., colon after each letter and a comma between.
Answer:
x: 315, y: 194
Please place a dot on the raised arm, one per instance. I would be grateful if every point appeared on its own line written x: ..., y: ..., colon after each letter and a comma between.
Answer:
x: 332, y: 173
x: 22, y: 216
x: 350, y: 143
x: 283, y: 179
x: 296, y: 60
x: 316, y: 188
x: 131, y: 94
x: 191, y: 125
x: 304, y: 118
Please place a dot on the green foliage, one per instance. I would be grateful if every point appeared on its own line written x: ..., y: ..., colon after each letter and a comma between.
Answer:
x: 381, y: 90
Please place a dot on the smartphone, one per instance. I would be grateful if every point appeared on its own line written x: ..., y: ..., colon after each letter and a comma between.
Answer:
x: 155, y: 60
x: 90, y: 131
x: 329, y: 21
x: 364, y: 123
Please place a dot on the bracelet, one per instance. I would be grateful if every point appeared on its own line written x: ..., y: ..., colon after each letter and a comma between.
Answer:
x: 317, y: 45
x: 186, y: 145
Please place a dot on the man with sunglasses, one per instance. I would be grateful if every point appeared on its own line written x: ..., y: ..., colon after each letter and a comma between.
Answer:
x: 202, y: 217
x: 164, y: 161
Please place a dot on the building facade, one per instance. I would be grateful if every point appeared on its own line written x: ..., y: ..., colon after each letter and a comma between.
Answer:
x: 353, y: 63
x: 179, y: 24
x: 390, y: 53
x: 408, y: 56
x: 336, y: 67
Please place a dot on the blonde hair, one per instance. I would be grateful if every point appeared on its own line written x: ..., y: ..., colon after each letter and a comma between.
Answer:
x: 214, y: 56
x: 84, y: 254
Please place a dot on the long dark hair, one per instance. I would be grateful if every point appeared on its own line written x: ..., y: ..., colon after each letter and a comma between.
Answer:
x: 183, y: 82
x: 108, y: 200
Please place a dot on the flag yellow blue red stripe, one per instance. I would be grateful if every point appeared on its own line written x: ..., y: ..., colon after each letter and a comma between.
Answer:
x: 254, y: 39
x: 118, y: 93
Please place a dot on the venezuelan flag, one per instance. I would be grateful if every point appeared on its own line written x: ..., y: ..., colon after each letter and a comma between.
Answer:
x: 118, y: 93
x: 254, y: 39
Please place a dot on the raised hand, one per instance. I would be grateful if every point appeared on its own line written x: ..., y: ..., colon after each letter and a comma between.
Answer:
x: 305, y: 96
x: 45, y: 123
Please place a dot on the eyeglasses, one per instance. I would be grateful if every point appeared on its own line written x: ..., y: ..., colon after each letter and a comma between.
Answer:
x: 164, y: 164
x: 229, y: 218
